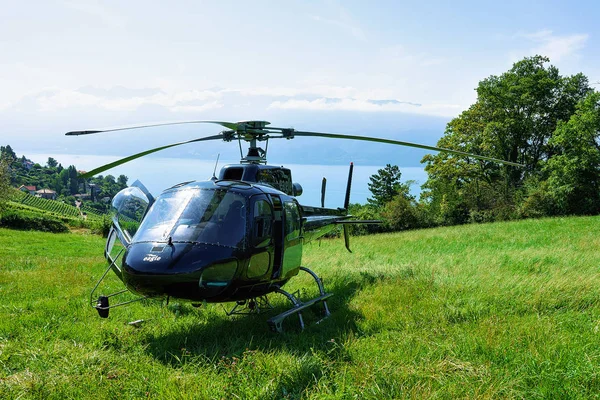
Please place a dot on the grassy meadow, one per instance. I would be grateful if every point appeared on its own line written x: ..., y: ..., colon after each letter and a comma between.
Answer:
x: 506, y: 310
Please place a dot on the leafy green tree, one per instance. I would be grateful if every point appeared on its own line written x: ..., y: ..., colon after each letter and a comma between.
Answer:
x: 513, y: 119
x: 122, y: 182
x: 52, y: 163
x: 6, y: 152
x: 574, y: 173
x: 400, y: 213
x: 73, y: 180
x: 64, y: 177
x: 5, y: 186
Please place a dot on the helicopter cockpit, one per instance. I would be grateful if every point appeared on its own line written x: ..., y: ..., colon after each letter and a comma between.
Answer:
x: 196, y: 215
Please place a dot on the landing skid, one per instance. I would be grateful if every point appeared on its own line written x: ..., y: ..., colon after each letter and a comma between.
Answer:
x: 276, y: 322
x: 102, y: 303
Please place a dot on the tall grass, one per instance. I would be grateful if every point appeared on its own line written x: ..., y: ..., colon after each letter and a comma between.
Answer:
x: 506, y: 310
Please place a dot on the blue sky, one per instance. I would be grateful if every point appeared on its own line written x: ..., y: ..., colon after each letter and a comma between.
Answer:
x: 387, y: 68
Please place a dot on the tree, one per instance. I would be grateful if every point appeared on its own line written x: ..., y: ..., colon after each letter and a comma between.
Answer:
x: 574, y: 173
x: 122, y: 181
x: 73, y: 180
x: 52, y: 163
x: 400, y: 213
x: 385, y: 184
x: 5, y: 187
x: 6, y: 152
x: 513, y: 119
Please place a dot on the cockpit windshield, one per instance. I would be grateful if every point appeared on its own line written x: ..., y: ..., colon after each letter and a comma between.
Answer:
x: 211, y: 216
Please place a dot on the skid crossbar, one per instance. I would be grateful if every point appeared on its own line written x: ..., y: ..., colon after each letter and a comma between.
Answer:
x: 276, y: 322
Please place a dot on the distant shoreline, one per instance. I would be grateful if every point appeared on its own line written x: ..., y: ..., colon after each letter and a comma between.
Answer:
x: 159, y: 173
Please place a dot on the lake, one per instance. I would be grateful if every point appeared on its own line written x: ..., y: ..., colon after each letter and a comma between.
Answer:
x: 159, y: 173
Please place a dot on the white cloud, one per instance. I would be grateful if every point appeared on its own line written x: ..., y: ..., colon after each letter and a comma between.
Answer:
x: 556, y: 47
x: 315, y: 90
x: 317, y: 97
x: 360, y: 105
x: 53, y: 99
x: 195, y: 109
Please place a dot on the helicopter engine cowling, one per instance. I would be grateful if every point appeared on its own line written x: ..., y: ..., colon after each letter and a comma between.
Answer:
x: 183, y: 270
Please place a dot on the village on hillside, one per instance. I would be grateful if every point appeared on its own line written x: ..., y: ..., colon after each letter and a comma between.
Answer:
x: 52, y: 181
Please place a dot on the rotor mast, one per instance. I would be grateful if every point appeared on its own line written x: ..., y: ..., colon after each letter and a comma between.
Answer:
x: 252, y: 132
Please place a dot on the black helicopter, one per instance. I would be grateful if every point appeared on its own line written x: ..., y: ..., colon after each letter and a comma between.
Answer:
x: 234, y: 238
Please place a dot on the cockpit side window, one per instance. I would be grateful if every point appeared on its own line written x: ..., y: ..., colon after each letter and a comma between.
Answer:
x: 263, y: 223
x: 292, y: 220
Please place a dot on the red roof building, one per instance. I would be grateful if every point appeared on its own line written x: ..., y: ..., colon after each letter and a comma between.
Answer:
x: 29, y: 189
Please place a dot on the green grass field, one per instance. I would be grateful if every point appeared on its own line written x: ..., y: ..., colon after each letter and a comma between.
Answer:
x: 508, y: 310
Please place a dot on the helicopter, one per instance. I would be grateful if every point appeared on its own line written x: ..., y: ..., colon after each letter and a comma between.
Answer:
x: 234, y: 238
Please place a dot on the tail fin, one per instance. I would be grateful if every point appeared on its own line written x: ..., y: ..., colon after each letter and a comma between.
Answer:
x: 323, y: 186
x: 346, y: 205
x: 347, y: 238
x: 347, y: 201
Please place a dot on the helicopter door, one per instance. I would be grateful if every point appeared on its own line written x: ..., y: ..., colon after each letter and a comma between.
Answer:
x: 277, y: 235
x: 292, y: 239
x: 262, y: 238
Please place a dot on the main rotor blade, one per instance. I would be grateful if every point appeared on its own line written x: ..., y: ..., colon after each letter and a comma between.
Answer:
x: 400, y: 143
x: 228, y: 125
x: 143, y: 153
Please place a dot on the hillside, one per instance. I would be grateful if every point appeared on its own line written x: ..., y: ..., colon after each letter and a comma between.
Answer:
x: 476, y: 311
x: 56, y: 208
x: 55, y: 182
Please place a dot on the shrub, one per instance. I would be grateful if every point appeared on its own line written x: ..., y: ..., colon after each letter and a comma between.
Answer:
x: 364, y: 212
x: 18, y: 220
x: 400, y: 214
x: 539, y: 200
x: 101, y: 226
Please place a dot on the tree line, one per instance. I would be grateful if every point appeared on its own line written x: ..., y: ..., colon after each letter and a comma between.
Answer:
x: 530, y: 115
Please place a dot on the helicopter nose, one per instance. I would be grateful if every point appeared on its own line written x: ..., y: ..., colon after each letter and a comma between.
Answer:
x: 180, y: 270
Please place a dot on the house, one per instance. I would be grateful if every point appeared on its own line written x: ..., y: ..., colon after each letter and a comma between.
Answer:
x: 46, y: 194
x: 28, y: 189
x: 27, y: 164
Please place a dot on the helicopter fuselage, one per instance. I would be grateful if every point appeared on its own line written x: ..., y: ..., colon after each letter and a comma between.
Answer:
x: 218, y: 241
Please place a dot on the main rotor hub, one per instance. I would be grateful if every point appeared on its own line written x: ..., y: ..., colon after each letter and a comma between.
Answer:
x: 253, y: 131
x: 252, y: 125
